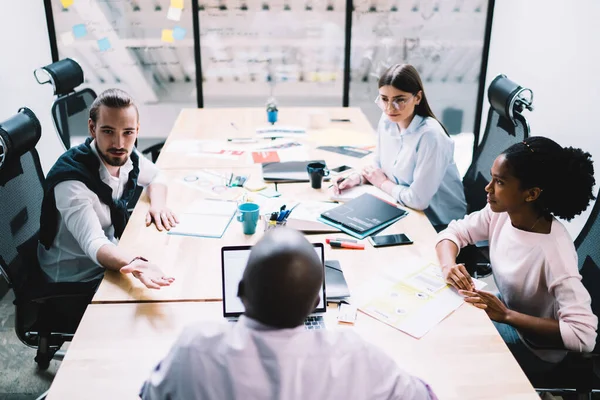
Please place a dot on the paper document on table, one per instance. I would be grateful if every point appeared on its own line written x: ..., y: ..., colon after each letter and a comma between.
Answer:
x: 205, y: 218
x: 280, y: 131
x: 305, y: 216
x: 217, y: 184
x: 354, y: 192
x: 281, y: 155
x: 204, y: 148
x: 414, y: 304
x: 311, y: 210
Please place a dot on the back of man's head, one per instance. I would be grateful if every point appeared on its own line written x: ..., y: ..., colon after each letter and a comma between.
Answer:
x: 282, y: 281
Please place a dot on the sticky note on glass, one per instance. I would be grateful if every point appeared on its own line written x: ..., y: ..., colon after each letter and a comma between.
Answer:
x: 103, y: 44
x: 178, y: 33
x: 177, y: 3
x: 67, y: 38
x: 174, y: 14
x: 66, y: 3
x: 79, y: 30
x: 167, y: 35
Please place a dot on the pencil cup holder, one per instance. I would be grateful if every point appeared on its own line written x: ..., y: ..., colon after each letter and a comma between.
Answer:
x: 270, y: 225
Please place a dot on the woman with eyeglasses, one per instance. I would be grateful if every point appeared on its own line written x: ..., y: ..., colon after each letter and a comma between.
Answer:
x: 415, y: 155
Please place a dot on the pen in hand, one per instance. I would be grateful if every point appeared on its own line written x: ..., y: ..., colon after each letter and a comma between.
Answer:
x: 338, y: 182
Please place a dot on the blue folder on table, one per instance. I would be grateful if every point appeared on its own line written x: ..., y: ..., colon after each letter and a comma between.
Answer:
x: 363, y: 216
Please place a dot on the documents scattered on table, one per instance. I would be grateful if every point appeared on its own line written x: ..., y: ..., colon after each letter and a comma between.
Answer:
x: 413, y: 304
x: 217, y: 184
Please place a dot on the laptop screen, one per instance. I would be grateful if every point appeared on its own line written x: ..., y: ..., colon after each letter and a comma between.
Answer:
x: 233, y: 263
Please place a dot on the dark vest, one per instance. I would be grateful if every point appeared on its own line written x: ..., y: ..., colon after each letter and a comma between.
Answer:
x: 81, y: 164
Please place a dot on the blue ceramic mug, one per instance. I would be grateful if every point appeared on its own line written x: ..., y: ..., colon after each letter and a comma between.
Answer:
x: 248, y: 214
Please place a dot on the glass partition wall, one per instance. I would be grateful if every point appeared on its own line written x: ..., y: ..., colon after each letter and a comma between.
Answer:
x: 444, y: 40
x: 292, y: 50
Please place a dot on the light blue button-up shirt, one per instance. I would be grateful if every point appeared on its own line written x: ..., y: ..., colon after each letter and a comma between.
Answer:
x: 420, y: 160
x: 249, y: 360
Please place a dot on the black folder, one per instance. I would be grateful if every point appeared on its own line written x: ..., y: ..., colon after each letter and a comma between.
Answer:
x: 289, y: 171
x: 366, y: 213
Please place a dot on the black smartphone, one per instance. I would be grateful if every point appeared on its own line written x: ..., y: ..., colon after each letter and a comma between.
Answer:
x: 389, y: 240
x: 341, y: 169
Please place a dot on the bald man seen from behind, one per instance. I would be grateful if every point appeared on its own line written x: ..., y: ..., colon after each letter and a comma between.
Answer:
x: 268, y: 354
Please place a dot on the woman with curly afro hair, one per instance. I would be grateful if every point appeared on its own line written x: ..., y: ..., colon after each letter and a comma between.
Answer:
x: 541, y: 299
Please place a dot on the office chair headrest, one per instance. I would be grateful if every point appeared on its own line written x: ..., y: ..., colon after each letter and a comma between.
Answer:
x: 18, y: 134
x: 65, y: 75
x: 507, y: 97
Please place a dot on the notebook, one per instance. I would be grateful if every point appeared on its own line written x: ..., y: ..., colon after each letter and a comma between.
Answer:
x: 233, y: 264
x: 290, y: 171
x: 363, y: 216
x: 205, y: 218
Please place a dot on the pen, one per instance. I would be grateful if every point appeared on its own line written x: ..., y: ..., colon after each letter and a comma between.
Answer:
x: 340, y: 119
x: 234, y: 127
x: 341, y: 240
x: 291, y: 209
x: 230, y: 179
x: 242, y: 140
x: 347, y: 245
x: 338, y: 181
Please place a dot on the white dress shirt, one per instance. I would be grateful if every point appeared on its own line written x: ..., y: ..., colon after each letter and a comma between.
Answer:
x: 420, y: 161
x: 84, y: 224
x: 536, y: 275
x: 248, y: 360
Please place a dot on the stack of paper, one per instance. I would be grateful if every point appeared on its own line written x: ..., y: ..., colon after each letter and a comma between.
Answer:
x: 354, y: 192
x: 206, y: 218
x: 306, y: 214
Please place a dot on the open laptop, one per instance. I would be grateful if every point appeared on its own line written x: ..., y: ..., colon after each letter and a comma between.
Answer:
x: 233, y: 263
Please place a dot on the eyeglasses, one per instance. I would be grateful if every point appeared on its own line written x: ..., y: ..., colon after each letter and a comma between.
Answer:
x: 397, y: 104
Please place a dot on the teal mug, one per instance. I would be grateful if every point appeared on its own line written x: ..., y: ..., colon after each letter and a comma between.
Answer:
x: 248, y: 214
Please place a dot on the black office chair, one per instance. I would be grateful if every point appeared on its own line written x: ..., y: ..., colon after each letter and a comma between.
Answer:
x: 46, y: 314
x: 505, y: 126
x: 576, y: 374
x: 153, y: 151
x: 70, y: 110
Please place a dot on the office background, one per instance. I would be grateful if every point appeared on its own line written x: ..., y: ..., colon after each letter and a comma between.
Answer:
x: 551, y: 49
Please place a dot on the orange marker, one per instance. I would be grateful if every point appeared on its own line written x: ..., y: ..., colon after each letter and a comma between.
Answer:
x: 347, y: 245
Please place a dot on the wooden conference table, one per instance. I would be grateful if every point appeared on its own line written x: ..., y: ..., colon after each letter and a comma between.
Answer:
x: 129, y: 329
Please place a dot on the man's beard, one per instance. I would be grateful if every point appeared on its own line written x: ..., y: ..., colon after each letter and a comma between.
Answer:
x: 112, y: 160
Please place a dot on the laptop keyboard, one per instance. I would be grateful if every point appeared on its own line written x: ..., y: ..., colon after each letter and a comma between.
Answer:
x: 314, y: 322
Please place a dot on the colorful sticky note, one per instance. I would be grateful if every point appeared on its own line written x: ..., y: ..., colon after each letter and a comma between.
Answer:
x: 103, y: 44
x: 174, y: 14
x: 67, y: 38
x: 178, y: 33
x: 66, y: 3
x: 79, y: 30
x: 167, y: 35
x: 177, y: 3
